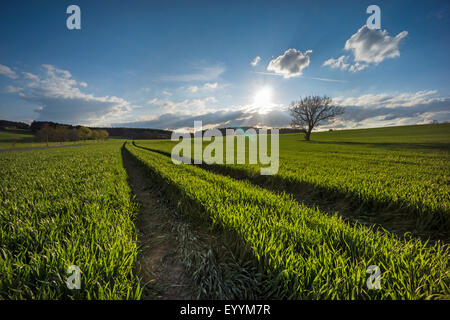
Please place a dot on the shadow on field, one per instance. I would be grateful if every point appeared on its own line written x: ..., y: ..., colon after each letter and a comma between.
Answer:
x: 183, y: 256
x: 395, y: 217
x: 18, y: 131
x: 163, y: 275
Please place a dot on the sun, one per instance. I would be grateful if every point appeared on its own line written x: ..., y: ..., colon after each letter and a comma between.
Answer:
x: 263, y: 99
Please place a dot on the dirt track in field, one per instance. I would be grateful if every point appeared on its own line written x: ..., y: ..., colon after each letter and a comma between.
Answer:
x: 157, y: 264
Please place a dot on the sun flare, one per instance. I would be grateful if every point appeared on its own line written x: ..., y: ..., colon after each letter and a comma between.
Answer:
x: 263, y: 99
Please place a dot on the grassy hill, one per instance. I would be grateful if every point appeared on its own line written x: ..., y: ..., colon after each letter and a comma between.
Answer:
x: 13, y: 138
x: 9, y: 135
x: 416, y: 135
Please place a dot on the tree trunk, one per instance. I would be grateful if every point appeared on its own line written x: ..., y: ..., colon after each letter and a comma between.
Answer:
x: 307, y: 135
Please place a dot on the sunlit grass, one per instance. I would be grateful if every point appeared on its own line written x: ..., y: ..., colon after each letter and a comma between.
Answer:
x: 307, y: 254
x: 378, y: 171
x: 61, y: 207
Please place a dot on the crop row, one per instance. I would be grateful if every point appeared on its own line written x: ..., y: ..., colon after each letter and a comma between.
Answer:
x: 376, y: 181
x: 306, y: 253
x: 62, y: 207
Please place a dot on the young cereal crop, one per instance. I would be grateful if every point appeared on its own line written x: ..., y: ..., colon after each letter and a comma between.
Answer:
x: 307, y: 254
x: 398, y: 176
x: 61, y: 207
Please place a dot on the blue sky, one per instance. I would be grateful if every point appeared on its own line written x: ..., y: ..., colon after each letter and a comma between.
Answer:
x: 164, y: 64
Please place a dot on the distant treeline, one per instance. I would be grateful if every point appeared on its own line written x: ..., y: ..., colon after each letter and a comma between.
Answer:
x: 66, y: 132
x: 63, y: 133
x: 8, y: 124
x: 128, y: 133
x: 280, y: 130
x: 138, y: 133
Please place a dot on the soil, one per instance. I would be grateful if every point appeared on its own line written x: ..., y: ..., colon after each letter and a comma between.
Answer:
x: 164, y: 275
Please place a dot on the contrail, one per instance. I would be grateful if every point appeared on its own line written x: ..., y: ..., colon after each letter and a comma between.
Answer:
x: 326, y: 79
x: 312, y: 78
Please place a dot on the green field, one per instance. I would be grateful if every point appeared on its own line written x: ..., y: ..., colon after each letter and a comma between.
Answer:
x: 395, y: 176
x: 340, y: 203
x: 61, y: 207
x: 12, y: 138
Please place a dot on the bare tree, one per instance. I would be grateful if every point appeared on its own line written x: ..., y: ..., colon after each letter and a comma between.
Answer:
x: 310, y: 111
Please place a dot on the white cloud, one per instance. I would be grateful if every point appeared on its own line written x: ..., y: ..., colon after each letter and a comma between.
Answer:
x: 368, y: 46
x: 290, y: 64
x: 374, y: 45
x: 255, y: 61
x: 214, y: 85
x: 357, y: 67
x: 204, y: 74
x: 413, y: 110
x: 383, y: 109
x: 187, y: 106
x: 338, y: 63
x: 222, y: 118
x: 30, y: 76
x: 204, y: 87
x: 11, y: 89
x: 6, y: 71
x: 385, y: 100
x: 154, y: 101
x: 369, y: 110
x: 193, y: 88
x: 60, y: 99
x: 341, y: 63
